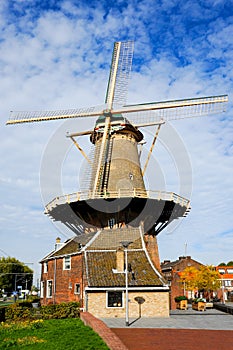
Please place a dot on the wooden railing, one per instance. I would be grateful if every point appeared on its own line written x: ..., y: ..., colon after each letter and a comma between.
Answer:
x: 121, y: 193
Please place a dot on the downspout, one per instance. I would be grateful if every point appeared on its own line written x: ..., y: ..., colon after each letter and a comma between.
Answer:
x: 82, y: 285
x: 54, y: 281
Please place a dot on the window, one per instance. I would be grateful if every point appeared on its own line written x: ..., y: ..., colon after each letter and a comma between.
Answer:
x: 77, y: 288
x: 111, y: 222
x: 227, y: 283
x: 42, y: 289
x: 67, y: 263
x: 49, y: 288
x: 70, y: 285
x: 45, y: 266
x: 221, y: 270
x: 114, y: 299
x: 229, y: 270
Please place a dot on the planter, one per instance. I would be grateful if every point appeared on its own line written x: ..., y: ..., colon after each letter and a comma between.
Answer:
x: 35, y: 305
x: 199, y: 306
x: 182, y: 305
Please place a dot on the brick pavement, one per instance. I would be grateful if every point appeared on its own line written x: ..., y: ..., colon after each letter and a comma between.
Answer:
x: 183, y: 330
x: 174, y: 339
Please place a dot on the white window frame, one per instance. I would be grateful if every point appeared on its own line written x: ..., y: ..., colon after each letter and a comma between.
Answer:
x: 48, y: 289
x: 42, y: 289
x: 122, y: 300
x: 45, y: 266
x: 67, y: 264
x: 75, y: 288
x: 227, y: 283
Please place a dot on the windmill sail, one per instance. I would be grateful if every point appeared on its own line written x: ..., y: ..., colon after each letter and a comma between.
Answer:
x: 39, y: 116
x: 114, y: 183
x: 119, y: 74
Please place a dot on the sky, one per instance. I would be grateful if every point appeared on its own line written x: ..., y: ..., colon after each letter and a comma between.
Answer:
x: 57, y: 54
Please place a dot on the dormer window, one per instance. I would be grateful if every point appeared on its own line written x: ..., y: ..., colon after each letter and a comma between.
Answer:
x: 131, y: 176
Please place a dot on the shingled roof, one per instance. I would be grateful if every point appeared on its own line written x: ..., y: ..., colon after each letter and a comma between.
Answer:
x: 101, y: 266
x: 71, y: 246
x: 101, y: 260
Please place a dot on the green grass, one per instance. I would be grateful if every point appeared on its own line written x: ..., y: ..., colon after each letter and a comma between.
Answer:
x: 63, y: 334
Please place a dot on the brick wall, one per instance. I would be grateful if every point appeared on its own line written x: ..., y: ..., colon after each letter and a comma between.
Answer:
x: 152, y: 248
x: 63, y: 280
x: 176, y: 287
x: 156, y: 305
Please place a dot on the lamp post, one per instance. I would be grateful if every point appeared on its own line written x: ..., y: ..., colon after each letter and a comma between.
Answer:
x: 126, y: 244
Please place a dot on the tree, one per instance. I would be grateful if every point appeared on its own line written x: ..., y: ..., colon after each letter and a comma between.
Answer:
x: 208, y: 278
x: 230, y: 263
x: 205, y: 278
x: 222, y: 264
x: 189, y: 278
x: 14, y: 273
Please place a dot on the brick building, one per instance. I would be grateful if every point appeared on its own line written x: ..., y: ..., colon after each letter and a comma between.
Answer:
x: 226, y: 273
x: 90, y: 268
x: 171, y: 270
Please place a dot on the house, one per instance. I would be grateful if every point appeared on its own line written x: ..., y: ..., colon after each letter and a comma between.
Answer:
x: 226, y: 273
x: 91, y: 269
x: 171, y: 270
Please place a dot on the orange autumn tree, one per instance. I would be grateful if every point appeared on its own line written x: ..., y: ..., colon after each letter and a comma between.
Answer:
x: 189, y: 278
x: 205, y: 278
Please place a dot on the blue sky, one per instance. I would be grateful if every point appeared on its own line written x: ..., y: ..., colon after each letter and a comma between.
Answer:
x: 56, y: 55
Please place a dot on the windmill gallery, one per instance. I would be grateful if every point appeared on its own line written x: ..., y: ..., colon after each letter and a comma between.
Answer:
x: 112, y: 262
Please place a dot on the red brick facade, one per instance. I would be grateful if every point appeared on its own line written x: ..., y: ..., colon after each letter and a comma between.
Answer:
x: 65, y: 282
x: 171, y: 269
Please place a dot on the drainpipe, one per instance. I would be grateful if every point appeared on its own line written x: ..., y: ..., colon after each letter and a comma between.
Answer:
x: 86, y: 301
x: 54, y: 280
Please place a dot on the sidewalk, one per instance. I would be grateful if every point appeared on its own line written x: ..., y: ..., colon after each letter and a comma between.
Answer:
x: 211, y: 319
x: 183, y: 330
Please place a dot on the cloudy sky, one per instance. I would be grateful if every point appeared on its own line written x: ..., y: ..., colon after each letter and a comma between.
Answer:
x: 57, y: 54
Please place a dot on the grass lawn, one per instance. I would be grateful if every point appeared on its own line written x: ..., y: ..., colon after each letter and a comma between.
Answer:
x: 63, y: 334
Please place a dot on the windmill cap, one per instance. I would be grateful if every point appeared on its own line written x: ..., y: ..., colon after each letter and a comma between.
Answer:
x: 113, y: 118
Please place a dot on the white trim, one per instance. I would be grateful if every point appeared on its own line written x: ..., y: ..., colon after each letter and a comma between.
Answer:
x: 42, y: 289
x: 91, y: 240
x: 75, y: 284
x: 149, y: 259
x: 122, y: 300
x: 45, y: 266
x: 101, y: 289
x: 64, y: 263
x: 86, y: 266
x: 47, y: 289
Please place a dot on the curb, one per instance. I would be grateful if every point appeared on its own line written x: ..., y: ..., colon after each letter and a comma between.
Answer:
x: 110, y: 338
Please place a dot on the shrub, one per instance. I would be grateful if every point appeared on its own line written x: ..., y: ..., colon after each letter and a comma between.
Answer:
x: 195, y: 301
x: 62, y: 310
x: 23, y: 310
x: 180, y: 297
x: 2, y: 314
x: 16, y: 312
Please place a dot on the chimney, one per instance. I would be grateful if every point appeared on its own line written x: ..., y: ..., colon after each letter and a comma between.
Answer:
x: 58, y: 243
x: 120, y: 257
x: 166, y: 261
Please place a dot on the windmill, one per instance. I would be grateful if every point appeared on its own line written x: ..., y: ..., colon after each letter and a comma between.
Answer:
x: 117, y: 196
